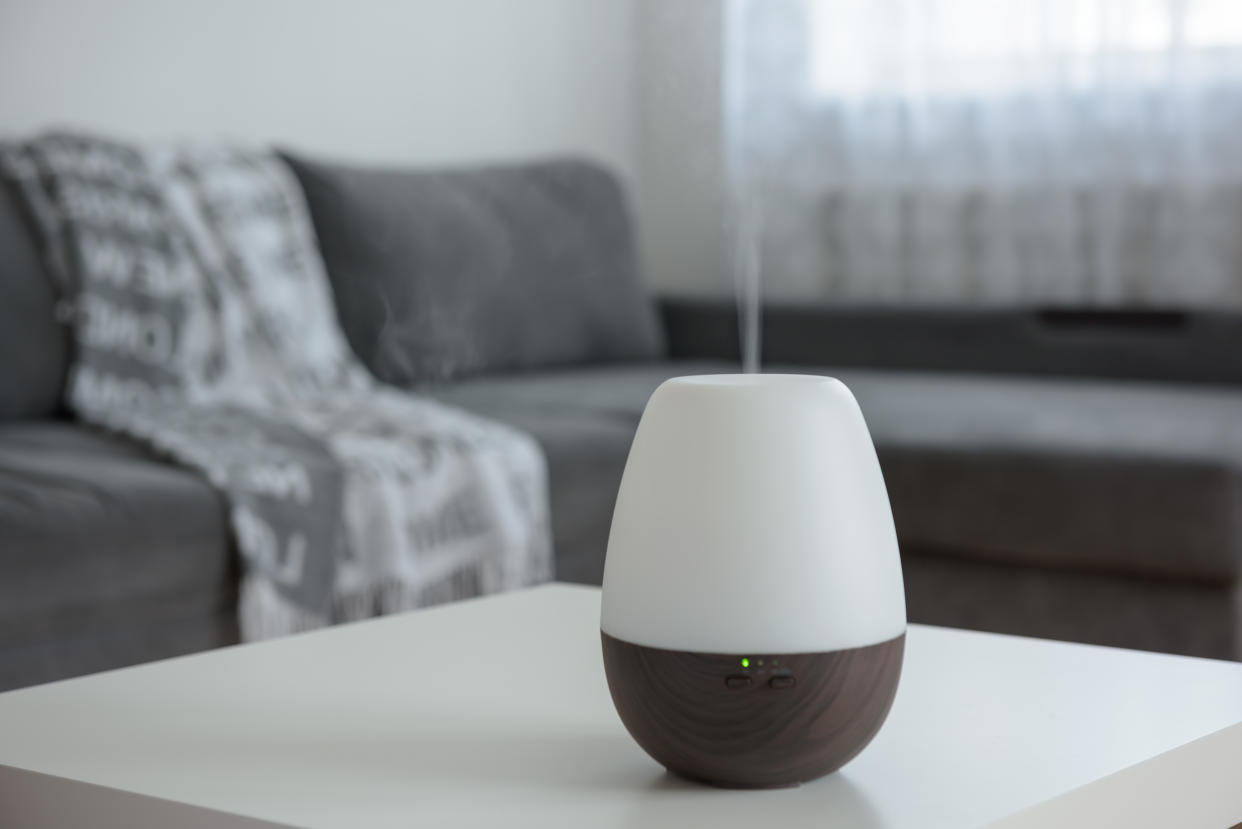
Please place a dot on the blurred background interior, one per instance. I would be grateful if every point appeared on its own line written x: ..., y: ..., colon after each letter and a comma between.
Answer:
x: 1013, y: 229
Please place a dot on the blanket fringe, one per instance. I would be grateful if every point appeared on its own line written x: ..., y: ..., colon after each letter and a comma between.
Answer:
x: 263, y: 613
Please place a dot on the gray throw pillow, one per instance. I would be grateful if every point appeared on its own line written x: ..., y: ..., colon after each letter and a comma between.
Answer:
x: 444, y: 274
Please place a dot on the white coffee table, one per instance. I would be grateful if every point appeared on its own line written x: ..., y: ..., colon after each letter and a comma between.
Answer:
x: 495, y: 712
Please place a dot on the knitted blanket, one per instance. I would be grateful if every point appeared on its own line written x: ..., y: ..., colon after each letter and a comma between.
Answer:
x: 205, y: 328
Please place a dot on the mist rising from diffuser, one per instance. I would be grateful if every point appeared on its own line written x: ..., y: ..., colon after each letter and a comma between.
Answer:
x: 746, y: 216
x: 747, y: 285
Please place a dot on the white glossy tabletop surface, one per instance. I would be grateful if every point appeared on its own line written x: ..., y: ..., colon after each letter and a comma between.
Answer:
x: 495, y: 712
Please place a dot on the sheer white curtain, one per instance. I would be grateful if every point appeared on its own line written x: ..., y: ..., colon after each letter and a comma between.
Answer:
x: 1026, y: 151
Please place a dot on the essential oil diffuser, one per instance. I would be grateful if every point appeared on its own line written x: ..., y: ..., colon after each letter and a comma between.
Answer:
x: 753, y: 613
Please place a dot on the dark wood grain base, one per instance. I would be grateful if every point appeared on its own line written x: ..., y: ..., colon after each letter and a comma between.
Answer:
x: 695, y: 714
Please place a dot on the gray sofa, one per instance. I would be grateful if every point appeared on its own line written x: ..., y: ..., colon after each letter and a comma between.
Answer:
x: 1063, y: 474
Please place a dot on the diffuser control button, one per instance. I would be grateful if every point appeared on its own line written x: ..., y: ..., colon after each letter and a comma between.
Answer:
x: 781, y: 682
x: 737, y: 681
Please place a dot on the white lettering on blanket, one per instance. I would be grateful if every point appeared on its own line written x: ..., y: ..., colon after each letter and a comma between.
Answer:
x: 287, y: 481
x: 121, y: 264
x: 103, y: 163
x: 461, y: 517
x: 96, y: 391
x: 116, y: 208
x: 147, y: 337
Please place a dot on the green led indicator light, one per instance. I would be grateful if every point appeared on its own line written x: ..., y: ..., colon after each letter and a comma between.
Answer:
x: 745, y: 662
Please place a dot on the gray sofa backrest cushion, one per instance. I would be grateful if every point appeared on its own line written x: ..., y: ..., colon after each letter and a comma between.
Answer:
x: 442, y: 274
x: 34, y: 348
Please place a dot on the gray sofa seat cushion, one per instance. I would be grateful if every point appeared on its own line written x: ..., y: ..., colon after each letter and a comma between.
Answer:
x: 34, y: 348
x: 92, y: 526
x: 1145, y: 614
x: 441, y: 275
x: 1132, y: 478
x: 1109, y: 477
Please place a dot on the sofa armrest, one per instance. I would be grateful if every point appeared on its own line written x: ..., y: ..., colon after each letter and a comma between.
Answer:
x: 1173, y: 346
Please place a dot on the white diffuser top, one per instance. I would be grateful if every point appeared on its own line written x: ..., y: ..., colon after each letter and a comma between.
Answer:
x: 753, y: 517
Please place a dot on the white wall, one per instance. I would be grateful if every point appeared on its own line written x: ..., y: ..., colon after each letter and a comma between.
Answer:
x: 633, y: 83
x: 426, y: 81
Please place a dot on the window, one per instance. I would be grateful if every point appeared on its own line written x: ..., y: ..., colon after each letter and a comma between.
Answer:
x: 952, y: 47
